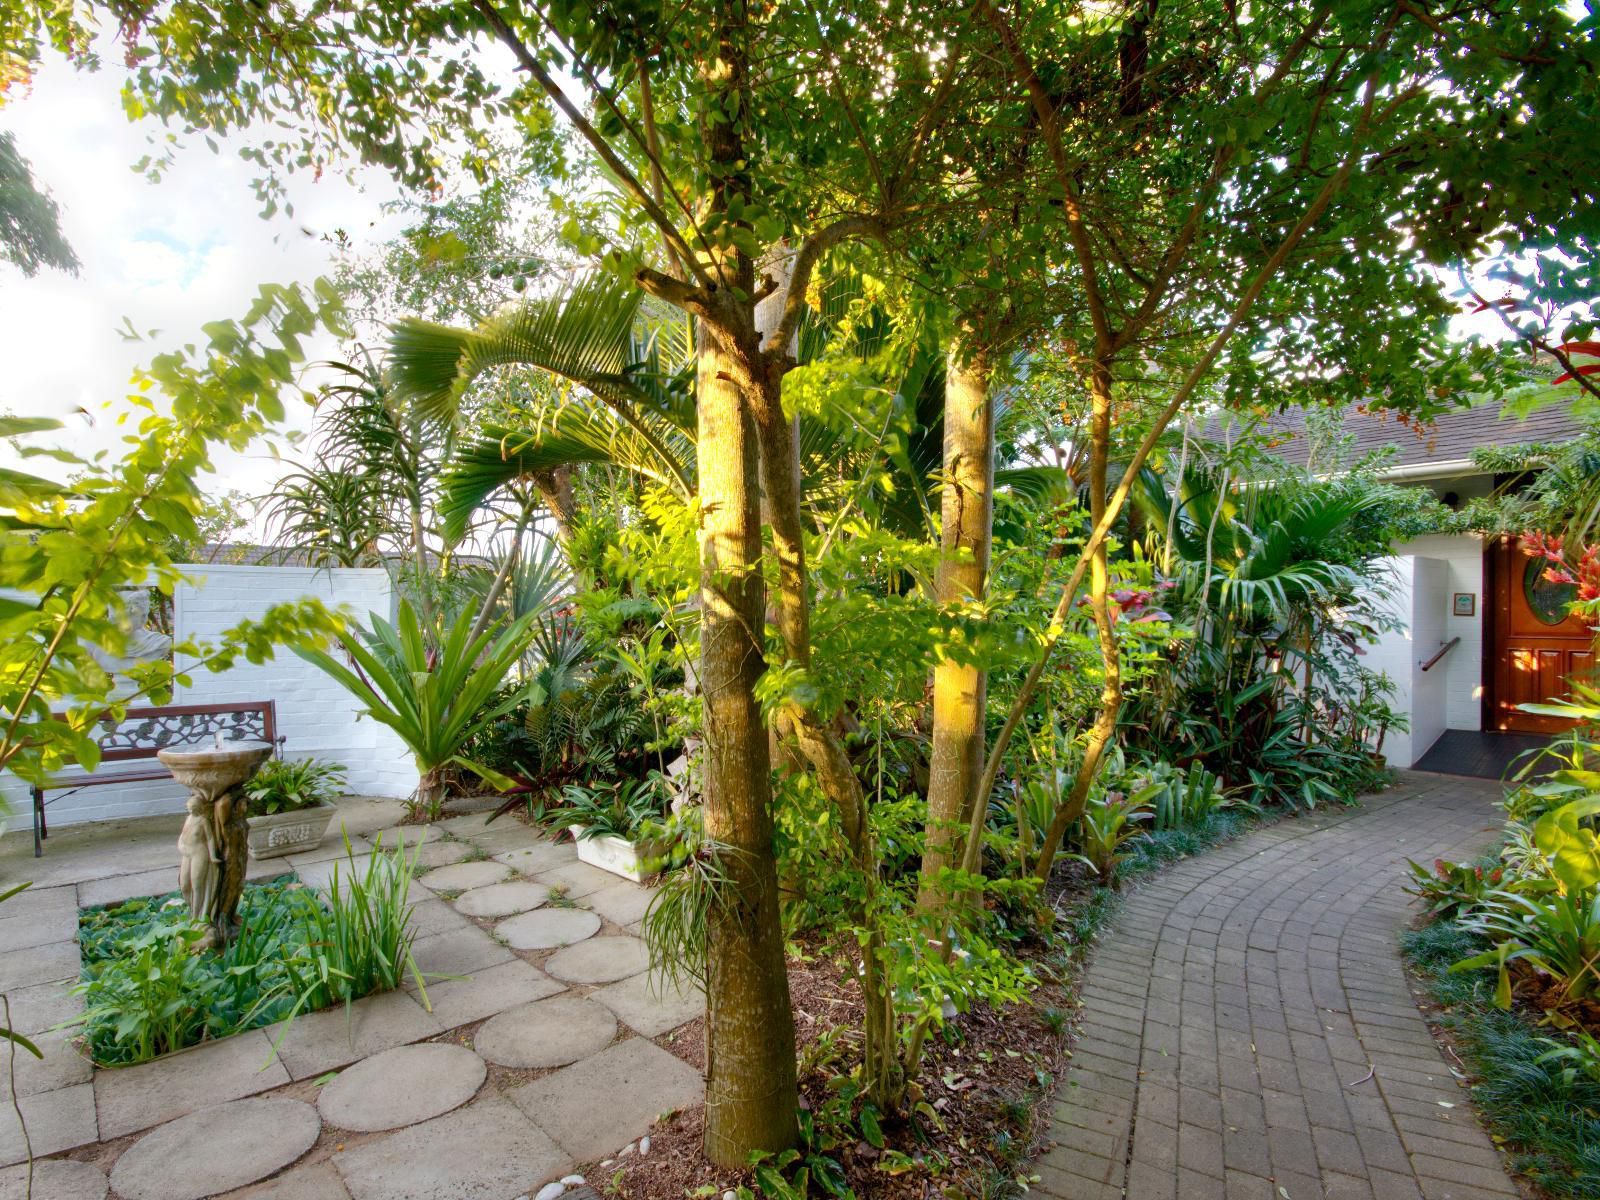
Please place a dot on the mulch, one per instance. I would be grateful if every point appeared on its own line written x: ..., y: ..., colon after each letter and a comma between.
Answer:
x: 989, y: 1078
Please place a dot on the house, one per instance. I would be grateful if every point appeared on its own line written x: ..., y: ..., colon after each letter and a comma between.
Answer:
x: 1482, y: 630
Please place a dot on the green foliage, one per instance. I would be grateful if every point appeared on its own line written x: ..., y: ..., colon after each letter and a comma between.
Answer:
x: 1556, y: 937
x: 30, y: 226
x: 1449, y: 890
x: 1542, y: 1105
x: 70, y: 551
x: 147, y: 992
x: 435, y: 697
x: 1184, y: 799
x: 286, y: 785
x: 1109, y: 821
x: 621, y: 808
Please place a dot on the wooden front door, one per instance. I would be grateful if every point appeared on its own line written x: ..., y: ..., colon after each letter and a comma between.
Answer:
x: 1535, y: 646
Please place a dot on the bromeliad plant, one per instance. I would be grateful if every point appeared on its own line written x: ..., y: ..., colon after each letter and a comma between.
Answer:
x: 288, y: 785
x: 435, y: 690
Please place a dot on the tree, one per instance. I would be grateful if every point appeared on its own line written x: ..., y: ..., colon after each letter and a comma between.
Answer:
x: 30, y: 222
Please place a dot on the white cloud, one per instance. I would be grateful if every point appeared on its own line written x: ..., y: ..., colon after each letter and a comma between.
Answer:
x: 168, y: 256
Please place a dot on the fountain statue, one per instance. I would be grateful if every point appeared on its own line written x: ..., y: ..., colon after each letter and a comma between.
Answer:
x: 212, y: 845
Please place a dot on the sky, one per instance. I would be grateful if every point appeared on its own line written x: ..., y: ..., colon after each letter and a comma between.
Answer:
x: 168, y: 256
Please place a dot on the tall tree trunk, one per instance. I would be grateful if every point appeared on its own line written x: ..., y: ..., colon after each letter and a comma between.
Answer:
x: 1105, y: 724
x: 960, y: 689
x: 750, y: 1069
x: 751, y: 1089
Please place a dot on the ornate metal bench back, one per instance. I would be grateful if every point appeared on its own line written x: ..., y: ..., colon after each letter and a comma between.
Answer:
x: 143, y: 731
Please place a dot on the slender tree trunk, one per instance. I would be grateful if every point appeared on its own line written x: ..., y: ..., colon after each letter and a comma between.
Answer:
x: 1105, y: 724
x: 751, y: 1090
x: 960, y: 689
x: 750, y: 1070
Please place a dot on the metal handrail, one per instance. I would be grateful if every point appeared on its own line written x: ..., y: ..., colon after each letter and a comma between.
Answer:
x: 1443, y: 650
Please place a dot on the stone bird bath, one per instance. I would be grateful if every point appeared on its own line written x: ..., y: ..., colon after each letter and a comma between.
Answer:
x: 212, y: 845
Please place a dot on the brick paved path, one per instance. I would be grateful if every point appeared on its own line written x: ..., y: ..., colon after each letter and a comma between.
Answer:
x: 1248, y: 1032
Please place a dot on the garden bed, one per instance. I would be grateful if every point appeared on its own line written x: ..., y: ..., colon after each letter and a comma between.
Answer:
x: 147, y: 993
x: 988, y: 1079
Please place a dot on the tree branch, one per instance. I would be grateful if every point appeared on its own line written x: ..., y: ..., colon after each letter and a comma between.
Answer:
x: 530, y: 63
x: 811, y: 251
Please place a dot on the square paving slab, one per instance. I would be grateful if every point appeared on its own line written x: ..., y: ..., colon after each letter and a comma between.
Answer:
x: 458, y: 952
x: 578, y: 879
x: 318, y: 1042
x: 624, y: 903
x: 486, y: 992
x: 133, y: 1098
x: 57, y: 1121
x: 38, y: 964
x: 485, y: 1151
x: 599, y: 1105
x: 637, y: 1004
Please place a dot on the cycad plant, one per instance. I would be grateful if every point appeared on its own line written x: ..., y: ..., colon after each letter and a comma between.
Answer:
x: 435, y: 692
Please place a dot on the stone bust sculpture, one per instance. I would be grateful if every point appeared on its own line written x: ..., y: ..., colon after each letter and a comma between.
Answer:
x: 142, y: 645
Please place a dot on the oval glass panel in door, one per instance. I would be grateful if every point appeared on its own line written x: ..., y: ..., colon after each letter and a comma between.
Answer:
x: 1548, y: 601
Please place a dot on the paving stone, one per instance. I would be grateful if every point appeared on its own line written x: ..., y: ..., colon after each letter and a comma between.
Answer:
x: 502, y: 899
x: 43, y: 1005
x: 467, y: 875
x: 547, y: 928
x: 38, y: 964
x: 40, y: 929
x: 433, y: 915
x: 319, y: 875
x: 309, y: 1181
x: 457, y: 952
x: 600, y: 960
x: 440, y: 854
x: 577, y: 879
x: 650, y: 1005
x: 133, y: 1098
x: 114, y: 889
x: 321, y: 1041
x: 60, y: 1120
x: 500, y: 837
x: 62, y: 1065
x: 403, y: 1086
x: 486, y: 992
x: 368, y: 814
x: 622, y: 904
x: 55, y: 1179
x: 541, y: 856
x: 548, y: 1033
x: 408, y: 835
x: 485, y: 1151
x: 597, y: 1106
x: 37, y: 901
x: 215, y: 1150
x: 1249, y: 986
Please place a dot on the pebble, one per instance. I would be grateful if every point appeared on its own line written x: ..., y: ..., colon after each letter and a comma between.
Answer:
x: 550, y: 1191
x: 572, y: 1181
x: 729, y: 1195
x: 644, y: 1146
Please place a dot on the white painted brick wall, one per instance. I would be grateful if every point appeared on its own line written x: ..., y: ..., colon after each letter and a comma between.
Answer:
x: 316, y: 716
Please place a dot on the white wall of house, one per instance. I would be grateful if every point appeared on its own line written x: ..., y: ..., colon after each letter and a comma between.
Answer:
x: 1427, y: 573
x: 316, y: 716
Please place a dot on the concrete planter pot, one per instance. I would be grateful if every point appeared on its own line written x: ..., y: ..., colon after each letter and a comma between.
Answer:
x: 617, y: 855
x: 295, y: 832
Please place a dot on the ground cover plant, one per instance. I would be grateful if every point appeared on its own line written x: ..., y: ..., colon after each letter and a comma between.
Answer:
x: 148, y: 992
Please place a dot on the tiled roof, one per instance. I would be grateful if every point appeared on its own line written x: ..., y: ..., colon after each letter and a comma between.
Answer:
x: 1450, y: 438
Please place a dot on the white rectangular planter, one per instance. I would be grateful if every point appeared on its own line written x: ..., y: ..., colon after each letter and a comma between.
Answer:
x: 615, y: 854
x: 277, y: 834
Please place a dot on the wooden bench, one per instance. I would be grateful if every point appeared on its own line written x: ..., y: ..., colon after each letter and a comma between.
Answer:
x: 143, y: 731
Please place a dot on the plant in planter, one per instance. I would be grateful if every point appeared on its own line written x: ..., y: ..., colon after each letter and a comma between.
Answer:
x: 290, y: 804
x: 615, y: 824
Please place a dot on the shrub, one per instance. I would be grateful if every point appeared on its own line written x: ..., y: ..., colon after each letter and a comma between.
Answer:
x: 284, y: 785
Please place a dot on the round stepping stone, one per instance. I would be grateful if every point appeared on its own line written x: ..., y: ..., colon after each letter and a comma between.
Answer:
x: 216, y: 1150
x: 411, y: 835
x: 547, y: 1033
x: 55, y: 1179
x: 502, y: 899
x: 402, y: 1087
x: 441, y: 854
x: 600, y: 960
x: 464, y: 876
x: 547, y: 928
